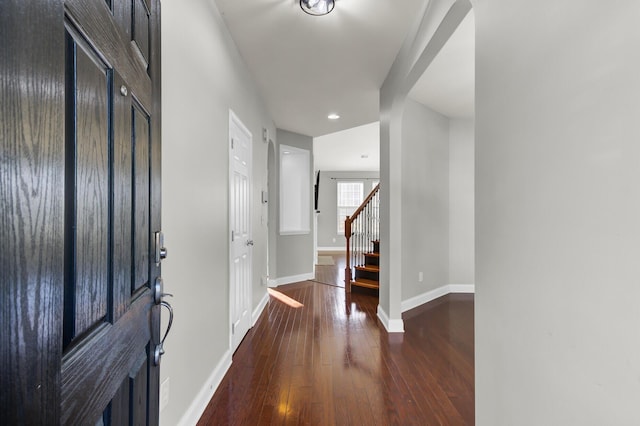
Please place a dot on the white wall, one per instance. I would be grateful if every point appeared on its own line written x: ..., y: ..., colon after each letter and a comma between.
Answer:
x: 557, y: 212
x: 461, y: 202
x: 328, y: 204
x: 425, y: 37
x: 295, y: 258
x: 425, y: 200
x: 203, y: 77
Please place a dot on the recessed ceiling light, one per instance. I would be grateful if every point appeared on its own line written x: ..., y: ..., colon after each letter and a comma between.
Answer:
x: 333, y: 116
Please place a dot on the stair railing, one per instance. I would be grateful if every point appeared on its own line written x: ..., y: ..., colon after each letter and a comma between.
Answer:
x: 360, y: 229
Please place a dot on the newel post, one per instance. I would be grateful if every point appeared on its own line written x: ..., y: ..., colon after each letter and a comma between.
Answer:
x: 347, y: 269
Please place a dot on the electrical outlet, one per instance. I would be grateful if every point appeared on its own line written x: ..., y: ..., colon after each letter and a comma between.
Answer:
x: 334, y: 240
x: 164, y: 394
x: 420, y: 277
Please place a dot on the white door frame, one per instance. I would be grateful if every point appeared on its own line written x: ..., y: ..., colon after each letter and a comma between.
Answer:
x: 236, y: 123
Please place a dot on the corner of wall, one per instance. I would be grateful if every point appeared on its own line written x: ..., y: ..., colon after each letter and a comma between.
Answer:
x: 391, y: 325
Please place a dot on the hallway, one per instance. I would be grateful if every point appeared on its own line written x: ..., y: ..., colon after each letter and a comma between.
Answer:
x: 330, y: 362
x: 330, y: 268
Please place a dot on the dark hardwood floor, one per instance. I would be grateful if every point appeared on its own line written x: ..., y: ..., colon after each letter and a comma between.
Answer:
x: 330, y: 362
x: 331, y: 274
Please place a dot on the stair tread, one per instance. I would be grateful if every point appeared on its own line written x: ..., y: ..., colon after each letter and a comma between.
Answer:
x: 369, y: 268
x: 363, y: 282
x: 372, y: 254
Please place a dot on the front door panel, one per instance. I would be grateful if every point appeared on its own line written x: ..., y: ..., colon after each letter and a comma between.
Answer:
x: 80, y: 200
x: 108, y: 305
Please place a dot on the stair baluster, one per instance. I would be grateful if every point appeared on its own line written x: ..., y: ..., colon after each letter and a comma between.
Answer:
x: 361, y: 231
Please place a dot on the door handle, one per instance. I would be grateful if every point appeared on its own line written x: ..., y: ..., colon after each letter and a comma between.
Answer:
x: 158, y: 293
x: 159, y: 350
x: 249, y: 242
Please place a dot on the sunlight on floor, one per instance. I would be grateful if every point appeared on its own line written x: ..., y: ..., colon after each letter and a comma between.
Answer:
x: 284, y: 298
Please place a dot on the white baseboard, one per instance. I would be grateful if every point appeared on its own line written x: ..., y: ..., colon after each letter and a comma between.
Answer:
x: 272, y: 283
x: 294, y: 279
x: 462, y: 288
x: 342, y: 248
x: 199, y: 404
x: 423, y: 298
x: 392, y: 326
x: 258, y: 310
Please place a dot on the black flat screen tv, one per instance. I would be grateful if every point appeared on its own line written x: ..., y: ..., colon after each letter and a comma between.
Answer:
x: 316, y: 189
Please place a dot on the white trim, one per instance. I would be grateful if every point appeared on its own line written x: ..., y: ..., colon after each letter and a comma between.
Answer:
x: 258, y: 310
x: 234, y: 120
x: 391, y: 325
x: 430, y: 295
x: 462, y: 288
x: 294, y: 279
x: 423, y: 298
x: 300, y: 232
x: 272, y: 283
x: 201, y: 401
x: 343, y: 248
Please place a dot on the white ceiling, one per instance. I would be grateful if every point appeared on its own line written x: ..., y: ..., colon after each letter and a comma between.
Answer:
x: 355, y: 149
x: 448, y: 85
x: 307, y: 66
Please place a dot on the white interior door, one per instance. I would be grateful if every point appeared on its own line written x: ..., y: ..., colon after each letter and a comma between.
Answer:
x: 240, y: 151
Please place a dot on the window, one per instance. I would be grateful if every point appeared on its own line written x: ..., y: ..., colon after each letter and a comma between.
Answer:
x: 350, y: 195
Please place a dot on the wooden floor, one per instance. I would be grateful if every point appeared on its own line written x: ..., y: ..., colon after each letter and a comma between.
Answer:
x: 331, y: 362
x: 332, y: 274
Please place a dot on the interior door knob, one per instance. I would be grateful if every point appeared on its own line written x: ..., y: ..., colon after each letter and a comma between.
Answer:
x: 249, y: 242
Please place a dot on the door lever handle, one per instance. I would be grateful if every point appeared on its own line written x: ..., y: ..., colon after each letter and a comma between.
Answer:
x: 249, y: 242
x: 158, y: 292
x: 159, y: 350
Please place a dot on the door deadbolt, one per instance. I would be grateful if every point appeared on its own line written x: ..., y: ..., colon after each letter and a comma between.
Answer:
x: 160, y: 249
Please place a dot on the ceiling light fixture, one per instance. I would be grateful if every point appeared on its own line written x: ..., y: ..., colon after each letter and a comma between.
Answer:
x: 333, y: 116
x: 317, y: 7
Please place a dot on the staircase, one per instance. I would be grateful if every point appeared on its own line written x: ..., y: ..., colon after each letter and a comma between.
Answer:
x: 368, y: 275
x: 362, y: 230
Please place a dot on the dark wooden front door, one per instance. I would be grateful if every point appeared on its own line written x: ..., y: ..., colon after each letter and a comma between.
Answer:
x: 80, y: 193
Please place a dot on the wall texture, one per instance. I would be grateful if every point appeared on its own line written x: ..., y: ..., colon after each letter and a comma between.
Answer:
x: 425, y: 200
x: 201, y: 82
x: 461, y: 202
x: 557, y: 213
